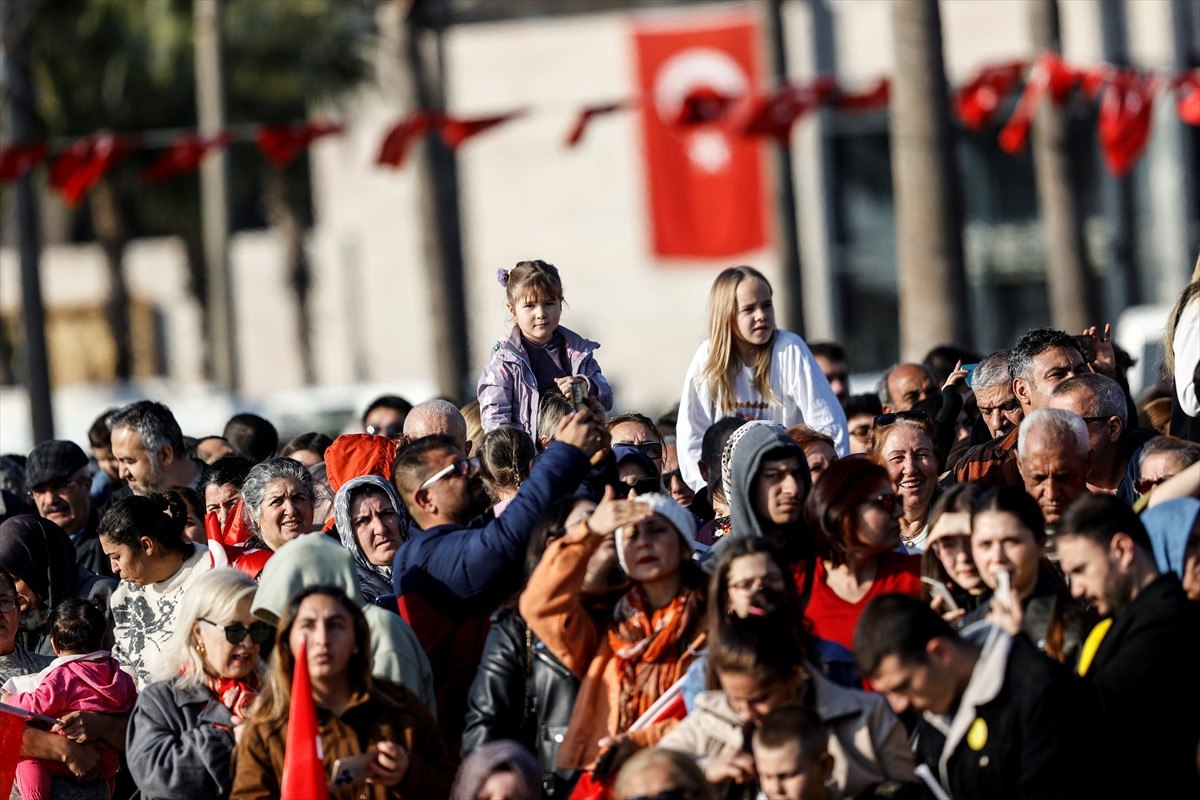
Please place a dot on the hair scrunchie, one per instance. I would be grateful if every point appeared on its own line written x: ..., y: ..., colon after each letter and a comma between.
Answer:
x: 502, y: 277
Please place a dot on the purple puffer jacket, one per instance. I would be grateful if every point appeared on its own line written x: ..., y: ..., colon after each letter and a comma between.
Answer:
x: 508, y: 393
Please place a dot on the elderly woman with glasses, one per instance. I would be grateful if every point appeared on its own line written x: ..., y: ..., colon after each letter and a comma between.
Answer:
x: 905, y: 443
x: 184, y: 727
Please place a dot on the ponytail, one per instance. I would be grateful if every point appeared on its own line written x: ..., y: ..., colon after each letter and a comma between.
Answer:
x: 161, y: 517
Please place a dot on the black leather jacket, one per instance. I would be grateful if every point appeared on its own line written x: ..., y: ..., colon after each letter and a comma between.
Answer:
x: 522, y: 692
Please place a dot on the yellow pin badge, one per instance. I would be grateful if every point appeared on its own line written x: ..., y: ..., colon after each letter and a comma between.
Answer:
x: 977, y: 734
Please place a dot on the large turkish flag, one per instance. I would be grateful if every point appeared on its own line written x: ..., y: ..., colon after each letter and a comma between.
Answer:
x: 704, y: 178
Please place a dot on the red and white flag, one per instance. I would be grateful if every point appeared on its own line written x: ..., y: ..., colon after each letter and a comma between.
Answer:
x: 303, y: 761
x: 12, y: 729
x: 704, y: 178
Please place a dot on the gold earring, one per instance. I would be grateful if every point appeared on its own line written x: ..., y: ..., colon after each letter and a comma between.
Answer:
x: 200, y: 648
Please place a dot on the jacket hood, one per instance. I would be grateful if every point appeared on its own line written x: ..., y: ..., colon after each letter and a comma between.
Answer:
x: 307, y: 560
x: 748, y: 447
x: 1169, y: 525
x: 355, y: 454
x: 345, y: 528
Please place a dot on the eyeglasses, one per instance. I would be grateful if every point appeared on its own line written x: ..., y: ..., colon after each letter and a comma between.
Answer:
x: 393, y: 431
x: 55, y: 487
x: 915, y: 414
x: 861, y: 432
x: 466, y: 468
x: 1144, y: 485
x: 1090, y: 420
x: 641, y: 486
x: 651, y: 450
x: 748, y: 585
x: 887, y: 502
x: 259, y: 632
x: 8, y: 604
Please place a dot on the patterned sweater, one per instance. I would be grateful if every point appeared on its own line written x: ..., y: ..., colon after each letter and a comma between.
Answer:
x: 144, y: 616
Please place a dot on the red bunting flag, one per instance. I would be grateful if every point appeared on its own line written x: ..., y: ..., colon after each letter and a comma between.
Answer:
x: 283, y: 144
x: 575, y: 135
x: 1050, y: 74
x: 184, y: 155
x: 875, y: 98
x: 85, y: 162
x: 456, y: 131
x: 1187, y: 88
x: 394, y: 150
x: 704, y: 181
x: 15, y: 161
x: 12, y: 728
x: 774, y: 114
x: 303, y: 761
x: 1124, y: 127
x: 977, y: 102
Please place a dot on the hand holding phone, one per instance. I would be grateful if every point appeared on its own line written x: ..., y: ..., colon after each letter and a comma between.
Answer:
x: 938, y: 589
x: 579, y: 395
x: 352, y: 769
x: 1003, y: 593
x: 1087, y: 346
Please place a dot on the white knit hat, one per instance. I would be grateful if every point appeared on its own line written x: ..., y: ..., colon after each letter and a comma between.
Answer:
x: 677, y: 515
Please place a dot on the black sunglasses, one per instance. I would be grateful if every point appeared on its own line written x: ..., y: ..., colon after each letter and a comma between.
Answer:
x: 259, y: 632
x: 651, y: 450
x: 887, y: 419
x: 641, y: 486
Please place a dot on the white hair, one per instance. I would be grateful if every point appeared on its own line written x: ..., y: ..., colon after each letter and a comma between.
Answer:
x: 1059, y: 424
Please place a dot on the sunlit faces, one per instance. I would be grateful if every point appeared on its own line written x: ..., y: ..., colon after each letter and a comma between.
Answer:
x: 537, y: 317
x: 910, y: 387
x: 210, y: 448
x: 382, y: 421
x: 140, y: 468
x: 779, y: 490
x: 309, y: 458
x: 754, y: 315
x: 1053, y: 472
x: 1000, y: 408
x: 860, y: 433
x: 1094, y: 574
x: 107, y: 461
x: 838, y: 375
x: 222, y: 658
x: 638, y: 434
x: 454, y: 493
x: 752, y: 583
x: 925, y: 686
x: 285, y: 513
x: 818, y: 455
x: 653, y: 549
x: 376, y: 527
x: 66, y: 503
x: 952, y: 546
x: 1000, y: 541
x: 911, y: 462
x: 220, y: 499
x: 752, y: 699
x: 128, y: 564
x: 1157, y: 467
x: 1048, y: 369
x: 10, y: 617
x: 877, y: 521
x: 329, y: 628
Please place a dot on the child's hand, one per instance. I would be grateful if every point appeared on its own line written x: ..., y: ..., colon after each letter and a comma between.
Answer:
x: 564, y: 385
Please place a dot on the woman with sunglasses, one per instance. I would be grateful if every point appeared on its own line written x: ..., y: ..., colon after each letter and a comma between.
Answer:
x: 905, y: 443
x: 854, y: 515
x: 184, y: 727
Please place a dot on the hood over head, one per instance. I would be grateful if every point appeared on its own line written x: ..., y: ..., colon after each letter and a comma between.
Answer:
x: 748, y: 447
x: 345, y: 527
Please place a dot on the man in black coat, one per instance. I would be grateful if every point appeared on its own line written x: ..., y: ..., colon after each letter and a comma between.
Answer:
x: 1140, y: 664
x: 999, y: 720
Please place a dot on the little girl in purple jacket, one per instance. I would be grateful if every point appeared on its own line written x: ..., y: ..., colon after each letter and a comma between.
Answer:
x: 538, y: 356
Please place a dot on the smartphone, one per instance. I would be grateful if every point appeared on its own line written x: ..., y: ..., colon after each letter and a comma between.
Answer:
x: 352, y: 769
x: 938, y: 589
x: 579, y: 395
x: 970, y: 368
x: 1087, y: 346
x: 1003, y: 587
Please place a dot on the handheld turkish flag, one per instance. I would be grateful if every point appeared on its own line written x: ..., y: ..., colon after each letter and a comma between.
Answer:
x: 12, y: 728
x: 303, y: 762
x: 704, y: 178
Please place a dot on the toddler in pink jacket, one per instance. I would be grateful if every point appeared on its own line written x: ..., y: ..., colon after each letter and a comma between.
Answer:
x: 82, y: 678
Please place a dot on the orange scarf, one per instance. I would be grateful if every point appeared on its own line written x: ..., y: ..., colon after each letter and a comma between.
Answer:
x: 651, y: 650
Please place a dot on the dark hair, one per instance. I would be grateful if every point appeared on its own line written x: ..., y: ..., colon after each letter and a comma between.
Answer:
x: 100, y: 434
x: 252, y: 436
x: 941, y: 360
x: 226, y: 469
x: 550, y: 525
x: 1034, y: 343
x: 1182, y: 449
x: 78, y: 626
x: 1016, y: 501
x: 158, y: 516
x: 505, y: 455
x: 154, y: 424
x: 897, y: 625
x: 712, y: 445
x: 754, y: 646
x: 392, y: 401
x: 7, y: 578
x: 667, y: 422
x: 1100, y: 517
x: 640, y: 419
x: 830, y: 350
x: 313, y: 440
x: 411, y: 463
x: 959, y: 498
x: 794, y: 723
x: 845, y: 485
x: 190, y: 498
x: 867, y: 403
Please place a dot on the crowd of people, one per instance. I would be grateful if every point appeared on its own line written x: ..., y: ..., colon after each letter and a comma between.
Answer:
x: 981, y: 581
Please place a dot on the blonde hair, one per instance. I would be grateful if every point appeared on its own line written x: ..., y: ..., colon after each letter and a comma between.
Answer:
x: 215, y: 595
x: 532, y: 278
x: 1191, y: 291
x: 722, y: 364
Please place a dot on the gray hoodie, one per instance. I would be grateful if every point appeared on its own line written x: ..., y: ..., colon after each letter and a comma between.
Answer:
x: 316, y: 559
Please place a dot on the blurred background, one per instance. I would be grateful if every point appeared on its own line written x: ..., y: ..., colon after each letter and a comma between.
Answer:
x: 294, y: 275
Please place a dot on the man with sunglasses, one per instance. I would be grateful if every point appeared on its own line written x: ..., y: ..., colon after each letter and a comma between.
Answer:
x: 453, y: 573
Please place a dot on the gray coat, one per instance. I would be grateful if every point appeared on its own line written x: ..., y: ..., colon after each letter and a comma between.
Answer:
x: 179, y: 743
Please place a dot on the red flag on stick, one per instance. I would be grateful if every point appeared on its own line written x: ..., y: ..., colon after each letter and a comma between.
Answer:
x: 12, y: 728
x: 15, y: 161
x: 184, y: 155
x: 456, y: 131
x: 303, y: 761
x: 1124, y: 125
x: 283, y: 144
x: 85, y: 162
x: 394, y: 150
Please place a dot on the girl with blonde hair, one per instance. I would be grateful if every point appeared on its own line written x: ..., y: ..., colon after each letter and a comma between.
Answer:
x: 750, y: 369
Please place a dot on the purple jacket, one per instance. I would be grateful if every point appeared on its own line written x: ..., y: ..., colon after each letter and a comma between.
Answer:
x: 508, y: 393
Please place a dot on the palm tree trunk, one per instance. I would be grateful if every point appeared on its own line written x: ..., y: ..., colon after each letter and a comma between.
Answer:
x: 929, y: 252
x: 1067, y: 280
x: 108, y: 222
x: 286, y: 221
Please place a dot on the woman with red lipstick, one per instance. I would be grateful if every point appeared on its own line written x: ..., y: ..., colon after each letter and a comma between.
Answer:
x: 854, y: 515
x: 905, y: 444
x: 356, y: 713
x: 655, y: 631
